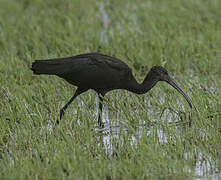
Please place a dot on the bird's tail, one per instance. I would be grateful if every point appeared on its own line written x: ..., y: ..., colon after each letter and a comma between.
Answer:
x: 51, y: 66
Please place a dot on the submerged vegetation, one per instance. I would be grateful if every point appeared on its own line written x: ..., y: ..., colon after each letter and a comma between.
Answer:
x: 151, y: 136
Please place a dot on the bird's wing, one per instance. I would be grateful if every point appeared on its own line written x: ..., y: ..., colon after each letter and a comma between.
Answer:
x: 96, y: 70
x: 103, y: 60
x: 84, y: 62
x: 93, y: 69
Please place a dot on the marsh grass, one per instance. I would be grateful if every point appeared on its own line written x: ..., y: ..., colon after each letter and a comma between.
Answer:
x: 145, y: 137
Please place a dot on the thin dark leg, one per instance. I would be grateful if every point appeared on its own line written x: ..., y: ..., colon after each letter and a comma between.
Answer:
x: 100, y: 123
x: 77, y: 92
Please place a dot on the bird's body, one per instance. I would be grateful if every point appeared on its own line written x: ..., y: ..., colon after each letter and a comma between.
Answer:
x: 88, y: 71
x: 101, y: 73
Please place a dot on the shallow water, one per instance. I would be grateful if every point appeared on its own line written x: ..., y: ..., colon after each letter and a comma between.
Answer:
x: 115, y: 126
x: 203, y: 169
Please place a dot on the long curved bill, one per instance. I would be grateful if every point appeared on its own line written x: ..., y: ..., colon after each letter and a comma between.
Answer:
x: 174, y: 84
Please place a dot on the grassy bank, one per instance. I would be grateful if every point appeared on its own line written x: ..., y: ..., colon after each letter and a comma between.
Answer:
x: 142, y: 139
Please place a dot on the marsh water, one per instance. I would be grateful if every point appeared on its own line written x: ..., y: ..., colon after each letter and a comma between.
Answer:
x: 203, y: 169
x: 115, y: 127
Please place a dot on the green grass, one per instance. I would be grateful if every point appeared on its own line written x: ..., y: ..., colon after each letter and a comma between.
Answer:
x: 183, y: 36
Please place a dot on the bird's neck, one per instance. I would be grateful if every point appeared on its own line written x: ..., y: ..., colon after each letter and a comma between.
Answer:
x: 148, y: 83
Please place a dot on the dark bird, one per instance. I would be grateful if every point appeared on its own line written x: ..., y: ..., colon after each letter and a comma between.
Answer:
x: 101, y: 73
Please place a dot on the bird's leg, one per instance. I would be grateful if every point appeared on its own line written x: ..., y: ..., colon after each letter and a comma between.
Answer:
x: 100, y: 123
x: 77, y: 92
x: 66, y: 105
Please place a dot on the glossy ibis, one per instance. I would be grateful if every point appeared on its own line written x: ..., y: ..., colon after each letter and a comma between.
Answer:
x: 101, y: 73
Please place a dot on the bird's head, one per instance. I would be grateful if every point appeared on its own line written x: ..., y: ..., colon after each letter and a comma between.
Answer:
x: 160, y: 74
